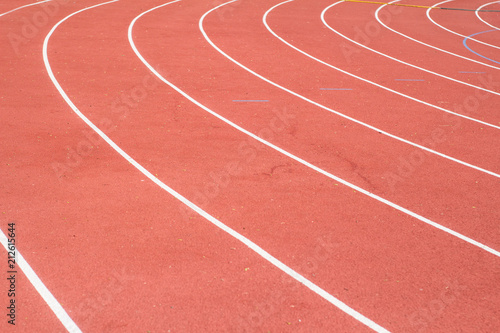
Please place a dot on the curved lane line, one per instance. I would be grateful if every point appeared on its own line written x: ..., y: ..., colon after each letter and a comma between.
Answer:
x: 342, y: 306
x: 257, y: 249
x: 428, y: 45
x: 309, y: 165
x: 484, y: 21
x: 468, y: 48
x: 287, y: 270
x: 47, y: 296
x: 380, y: 131
x: 428, y: 13
x: 396, y: 59
x: 28, y: 5
x: 374, y: 196
x: 33, y: 278
x: 363, y: 79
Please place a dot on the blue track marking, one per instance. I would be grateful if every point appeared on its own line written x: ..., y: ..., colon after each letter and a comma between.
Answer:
x: 468, y: 48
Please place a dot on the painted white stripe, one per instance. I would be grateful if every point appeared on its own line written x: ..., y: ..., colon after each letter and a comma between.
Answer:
x: 313, y: 287
x: 454, y: 32
x: 33, y: 278
x: 307, y: 164
x: 358, y: 77
x: 216, y: 222
x: 378, y: 130
x: 399, y: 60
x: 191, y: 205
x: 28, y: 5
x: 47, y: 296
x: 428, y: 45
x: 484, y: 21
x: 250, y: 100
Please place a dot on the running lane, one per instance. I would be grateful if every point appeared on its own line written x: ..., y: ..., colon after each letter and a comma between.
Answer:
x: 414, y: 23
x: 371, y: 66
x: 365, y: 29
x: 140, y: 260
x: 369, y: 161
x: 346, y: 55
x: 388, y: 266
x: 24, y: 111
x: 165, y: 269
x: 466, y: 22
x: 427, y: 33
x: 489, y: 18
x: 124, y: 268
x: 118, y: 253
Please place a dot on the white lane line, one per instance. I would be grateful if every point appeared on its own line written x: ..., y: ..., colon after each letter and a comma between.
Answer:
x: 380, y: 131
x: 33, y: 278
x: 334, y: 301
x: 428, y: 45
x: 28, y: 5
x: 216, y: 222
x: 342, y: 306
x: 399, y: 60
x: 484, y: 21
x: 366, y: 80
x: 428, y: 12
x: 47, y: 296
x: 307, y: 164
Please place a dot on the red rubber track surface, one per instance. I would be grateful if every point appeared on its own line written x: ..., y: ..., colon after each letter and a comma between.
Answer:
x: 466, y: 22
x: 491, y: 17
x: 365, y: 29
x: 122, y: 255
x: 415, y: 24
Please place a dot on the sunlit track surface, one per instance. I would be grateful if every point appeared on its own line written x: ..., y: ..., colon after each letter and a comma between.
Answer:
x: 355, y: 76
x: 24, y: 6
x: 480, y: 15
x: 371, y: 127
x: 360, y: 78
x: 451, y: 31
x: 396, y: 59
x: 268, y: 257
x: 356, y: 231
x: 37, y: 302
x: 377, y: 16
x: 373, y: 63
x: 192, y: 68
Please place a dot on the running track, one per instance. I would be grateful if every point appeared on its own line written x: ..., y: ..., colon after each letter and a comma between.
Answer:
x: 252, y: 166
